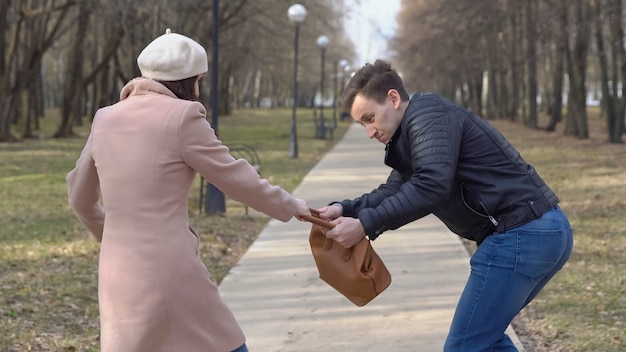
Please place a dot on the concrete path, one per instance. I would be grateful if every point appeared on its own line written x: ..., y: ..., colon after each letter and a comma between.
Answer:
x: 282, y: 305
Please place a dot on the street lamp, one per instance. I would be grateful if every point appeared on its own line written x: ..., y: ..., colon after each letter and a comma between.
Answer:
x: 334, y: 96
x: 215, y: 202
x: 344, y: 68
x: 296, y: 14
x: 322, y: 42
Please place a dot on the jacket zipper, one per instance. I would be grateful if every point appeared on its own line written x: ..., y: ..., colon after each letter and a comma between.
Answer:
x: 488, y: 216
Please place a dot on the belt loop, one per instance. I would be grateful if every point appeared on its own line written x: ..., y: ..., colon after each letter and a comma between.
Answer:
x: 501, y: 228
x: 532, y: 206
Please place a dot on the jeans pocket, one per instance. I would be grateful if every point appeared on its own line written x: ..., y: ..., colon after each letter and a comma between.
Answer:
x: 538, y: 252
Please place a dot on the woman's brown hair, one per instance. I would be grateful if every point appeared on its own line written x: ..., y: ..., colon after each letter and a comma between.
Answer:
x: 183, y: 89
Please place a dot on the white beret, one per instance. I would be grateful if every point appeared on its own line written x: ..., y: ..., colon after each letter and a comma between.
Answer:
x: 172, y: 57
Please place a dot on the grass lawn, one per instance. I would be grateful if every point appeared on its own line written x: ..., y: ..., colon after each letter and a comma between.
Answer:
x: 48, y: 264
x: 584, y: 307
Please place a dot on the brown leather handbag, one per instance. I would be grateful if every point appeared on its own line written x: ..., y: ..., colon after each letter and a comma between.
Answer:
x: 358, y: 272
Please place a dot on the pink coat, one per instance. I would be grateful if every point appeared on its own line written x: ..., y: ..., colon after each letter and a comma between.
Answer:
x: 154, y: 292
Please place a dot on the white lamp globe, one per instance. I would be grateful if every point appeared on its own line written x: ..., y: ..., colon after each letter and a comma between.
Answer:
x: 322, y: 41
x: 296, y: 13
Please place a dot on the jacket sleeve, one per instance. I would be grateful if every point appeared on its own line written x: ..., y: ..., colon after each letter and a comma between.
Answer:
x: 351, y: 208
x: 84, y: 192
x: 434, y: 139
x: 204, y: 152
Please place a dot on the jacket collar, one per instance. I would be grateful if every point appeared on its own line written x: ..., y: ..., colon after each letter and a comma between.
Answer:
x: 141, y: 86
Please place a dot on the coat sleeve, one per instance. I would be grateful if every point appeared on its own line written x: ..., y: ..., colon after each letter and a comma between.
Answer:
x: 204, y: 152
x: 83, y: 191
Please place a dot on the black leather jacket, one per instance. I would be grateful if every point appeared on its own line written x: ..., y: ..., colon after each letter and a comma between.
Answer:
x: 455, y: 165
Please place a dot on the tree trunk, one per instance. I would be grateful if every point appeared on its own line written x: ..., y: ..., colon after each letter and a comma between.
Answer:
x: 616, y: 125
x: 225, y: 107
x: 72, y: 89
x: 26, y: 111
x: 102, y: 87
x: 531, y: 61
x: 7, y: 89
x: 608, y: 99
x: 4, y: 13
x: 8, y: 109
x: 493, y: 88
x: 576, y: 66
x: 476, y: 86
x: 556, y: 110
x: 31, y: 98
x: 514, y: 67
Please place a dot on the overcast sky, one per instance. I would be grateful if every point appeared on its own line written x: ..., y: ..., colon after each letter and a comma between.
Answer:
x: 369, y: 24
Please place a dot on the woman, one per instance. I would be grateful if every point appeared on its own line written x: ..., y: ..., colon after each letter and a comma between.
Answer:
x: 143, y: 152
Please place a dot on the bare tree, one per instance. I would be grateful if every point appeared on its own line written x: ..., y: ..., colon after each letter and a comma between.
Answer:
x: 452, y: 46
x: 576, y: 50
x: 32, y: 28
x: 556, y: 56
x: 94, y: 55
x: 609, y: 12
x: 531, y: 62
x: 427, y: 49
x: 71, y: 108
x: 515, y: 45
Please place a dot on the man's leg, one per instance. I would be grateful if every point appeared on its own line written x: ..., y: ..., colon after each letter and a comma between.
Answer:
x: 507, y: 271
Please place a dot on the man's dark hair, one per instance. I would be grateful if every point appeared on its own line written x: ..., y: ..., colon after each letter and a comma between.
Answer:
x: 373, y: 81
x: 183, y: 89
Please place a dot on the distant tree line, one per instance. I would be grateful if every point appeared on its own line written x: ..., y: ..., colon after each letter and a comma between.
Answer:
x: 77, y: 54
x: 502, y: 58
x: 512, y: 59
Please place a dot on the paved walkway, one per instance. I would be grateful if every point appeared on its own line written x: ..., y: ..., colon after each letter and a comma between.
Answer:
x: 282, y: 305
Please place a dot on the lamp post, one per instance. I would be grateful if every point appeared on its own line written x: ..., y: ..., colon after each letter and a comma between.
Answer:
x: 334, y: 95
x: 344, y: 68
x: 215, y: 201
x: 296, y: 14
x: 322, y: 42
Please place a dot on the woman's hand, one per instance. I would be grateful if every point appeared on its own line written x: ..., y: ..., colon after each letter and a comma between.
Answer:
x: 303, y: 209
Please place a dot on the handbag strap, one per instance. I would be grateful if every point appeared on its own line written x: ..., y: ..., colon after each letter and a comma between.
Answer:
x: 315, y: 219
x: 328, y: 243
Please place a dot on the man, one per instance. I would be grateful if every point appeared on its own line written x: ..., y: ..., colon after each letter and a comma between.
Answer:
x: 448, y: 162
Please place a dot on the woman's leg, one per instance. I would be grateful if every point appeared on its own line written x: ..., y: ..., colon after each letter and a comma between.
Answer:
x: 507, y: 272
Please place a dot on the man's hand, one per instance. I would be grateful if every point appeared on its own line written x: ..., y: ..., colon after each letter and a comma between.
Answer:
x: 347, y: 232
x: 331, y: 212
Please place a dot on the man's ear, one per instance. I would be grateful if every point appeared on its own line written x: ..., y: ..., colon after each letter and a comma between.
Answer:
x: 395, y: 98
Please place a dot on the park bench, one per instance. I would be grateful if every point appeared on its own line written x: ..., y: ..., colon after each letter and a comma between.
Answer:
x: 247, y: 152
x: 238, y: 151
x: 321, y: 129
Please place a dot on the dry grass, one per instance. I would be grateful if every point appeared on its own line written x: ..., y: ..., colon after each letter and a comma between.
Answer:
x: 48, y: 267
x: 584, y: 307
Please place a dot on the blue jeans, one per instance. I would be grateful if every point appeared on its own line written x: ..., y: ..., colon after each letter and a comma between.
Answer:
x: 507, y: 271
x: 242, y: 348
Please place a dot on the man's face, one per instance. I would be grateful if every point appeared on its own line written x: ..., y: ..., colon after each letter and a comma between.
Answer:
x: 380, y: 120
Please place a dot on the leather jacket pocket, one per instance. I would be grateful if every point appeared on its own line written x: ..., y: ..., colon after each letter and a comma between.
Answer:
x: 459, y: 213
